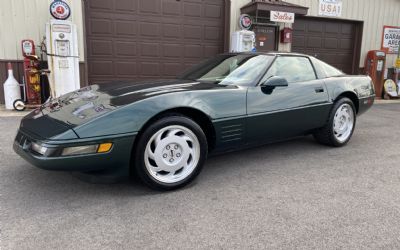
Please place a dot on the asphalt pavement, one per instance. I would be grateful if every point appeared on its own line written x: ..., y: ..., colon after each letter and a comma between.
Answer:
x: 290, y: 195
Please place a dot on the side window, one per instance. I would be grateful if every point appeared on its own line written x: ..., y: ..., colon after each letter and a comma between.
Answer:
x: 293, y: 68
x: 325, y: 70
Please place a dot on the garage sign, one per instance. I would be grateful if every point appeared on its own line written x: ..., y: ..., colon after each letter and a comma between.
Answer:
x: 391, y: 39
x: 332, y: 8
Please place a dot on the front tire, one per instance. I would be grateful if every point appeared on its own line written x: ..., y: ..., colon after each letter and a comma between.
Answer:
x: 170, y: 153
x: 340, y: 126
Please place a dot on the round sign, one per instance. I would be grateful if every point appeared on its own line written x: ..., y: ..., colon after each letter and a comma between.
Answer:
x: 245, y: 21
x: 390, y: 88
x: 60, y: 10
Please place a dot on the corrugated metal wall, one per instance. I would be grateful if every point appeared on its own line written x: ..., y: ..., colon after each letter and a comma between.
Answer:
x: 375, y: 14
x: 23, y: 19
x: 20, y: 19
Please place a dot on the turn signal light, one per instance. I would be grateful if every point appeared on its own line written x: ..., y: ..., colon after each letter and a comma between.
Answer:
x: 104, y: 147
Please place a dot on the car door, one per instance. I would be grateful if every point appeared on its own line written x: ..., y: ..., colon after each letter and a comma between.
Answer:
x: 275, y: 113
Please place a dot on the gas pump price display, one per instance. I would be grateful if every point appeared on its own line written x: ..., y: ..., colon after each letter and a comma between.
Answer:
x: 62, y: 48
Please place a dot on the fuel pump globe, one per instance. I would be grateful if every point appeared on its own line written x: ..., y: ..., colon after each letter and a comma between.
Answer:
x: 162, y: 131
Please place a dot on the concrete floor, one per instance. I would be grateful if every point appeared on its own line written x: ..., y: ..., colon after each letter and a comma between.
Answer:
x: 290, y: 195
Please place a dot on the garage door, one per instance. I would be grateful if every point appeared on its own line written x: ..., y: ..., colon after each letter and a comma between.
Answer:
x: 139, y: 39
x: 333, y: 41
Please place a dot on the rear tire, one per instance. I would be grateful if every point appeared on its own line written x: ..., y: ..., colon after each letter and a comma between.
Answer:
x: 170, y: 153
x: 340, y: 126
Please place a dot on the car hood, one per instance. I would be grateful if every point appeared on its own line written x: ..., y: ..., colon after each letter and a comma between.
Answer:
x: 76, y: 108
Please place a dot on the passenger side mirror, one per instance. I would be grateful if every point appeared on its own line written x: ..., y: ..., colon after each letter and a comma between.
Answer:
x: 275, y: 81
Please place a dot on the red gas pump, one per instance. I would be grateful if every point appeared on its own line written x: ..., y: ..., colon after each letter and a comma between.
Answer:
x: 31, y: 73
x: 374, y: 67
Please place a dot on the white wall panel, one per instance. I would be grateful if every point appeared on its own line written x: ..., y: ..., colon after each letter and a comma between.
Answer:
x: 26, y: 19
x: 374, y: 14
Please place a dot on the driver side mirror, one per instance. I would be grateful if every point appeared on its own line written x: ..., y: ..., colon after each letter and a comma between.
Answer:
x: 275, y: 81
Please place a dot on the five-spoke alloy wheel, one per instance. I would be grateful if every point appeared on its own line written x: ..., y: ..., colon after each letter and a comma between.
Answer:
x: 170, y: 152
x: 340, y: 126
x: 343, y: 122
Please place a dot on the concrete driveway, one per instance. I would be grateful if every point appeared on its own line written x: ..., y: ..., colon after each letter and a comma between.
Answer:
x: 290, y: 195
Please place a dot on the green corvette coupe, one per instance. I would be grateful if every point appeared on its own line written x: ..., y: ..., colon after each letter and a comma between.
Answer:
x: 162, y: 131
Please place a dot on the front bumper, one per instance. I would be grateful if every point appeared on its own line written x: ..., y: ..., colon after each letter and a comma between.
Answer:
x: 365, y: 103
x: 116, y: 160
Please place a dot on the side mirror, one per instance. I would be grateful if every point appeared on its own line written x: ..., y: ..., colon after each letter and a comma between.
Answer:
x: 275, y: 81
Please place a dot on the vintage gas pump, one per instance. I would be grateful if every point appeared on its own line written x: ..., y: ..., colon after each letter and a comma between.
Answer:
x: 63, y: 57
x: 31, y: 73
x: 243, y: 41
x: 375, y: 67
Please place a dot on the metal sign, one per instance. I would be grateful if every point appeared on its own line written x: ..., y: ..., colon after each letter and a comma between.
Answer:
x: 391, y: 39
x: 332, y: 8
x: 60, y: 10
x: 245, y: 22
x: 398, y: 63
x: 282, y: 17
x: 390, y: 88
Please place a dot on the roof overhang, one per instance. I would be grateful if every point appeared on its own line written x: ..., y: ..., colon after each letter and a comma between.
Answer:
x: 274, y: 5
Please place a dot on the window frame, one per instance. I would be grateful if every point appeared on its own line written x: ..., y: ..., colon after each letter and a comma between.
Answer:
x: 303, y: 56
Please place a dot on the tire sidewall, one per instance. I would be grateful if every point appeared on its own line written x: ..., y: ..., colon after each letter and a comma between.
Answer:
x: 139, y: 165
x: 336, y: 106
x: 15, y: 104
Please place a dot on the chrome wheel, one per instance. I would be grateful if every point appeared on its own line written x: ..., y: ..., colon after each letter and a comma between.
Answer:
x: 343, y: 122
x: 172, y: 154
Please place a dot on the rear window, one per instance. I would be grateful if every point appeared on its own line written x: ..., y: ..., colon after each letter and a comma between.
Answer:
x: 325, y: 70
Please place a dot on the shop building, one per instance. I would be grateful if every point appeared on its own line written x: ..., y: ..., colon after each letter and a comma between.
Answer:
x: 139, y: 39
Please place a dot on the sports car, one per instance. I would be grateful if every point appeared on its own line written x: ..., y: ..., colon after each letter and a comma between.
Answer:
x: 163, y: 131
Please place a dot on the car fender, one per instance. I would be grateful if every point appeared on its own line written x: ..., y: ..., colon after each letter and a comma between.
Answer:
x: 216, y: 104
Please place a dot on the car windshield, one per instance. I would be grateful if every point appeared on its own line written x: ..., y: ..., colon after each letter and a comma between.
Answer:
x: 230, y: 69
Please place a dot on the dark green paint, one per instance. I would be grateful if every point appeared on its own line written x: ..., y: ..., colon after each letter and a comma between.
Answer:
x: 242, y: 116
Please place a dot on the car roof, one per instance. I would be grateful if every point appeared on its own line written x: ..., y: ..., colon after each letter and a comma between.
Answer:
x: 273, y: 53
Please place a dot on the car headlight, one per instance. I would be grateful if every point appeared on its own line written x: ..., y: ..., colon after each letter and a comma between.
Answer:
x: 39, y: 148
x: 87, y: 149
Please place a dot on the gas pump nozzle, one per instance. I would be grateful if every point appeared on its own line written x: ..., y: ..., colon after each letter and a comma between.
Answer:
x: 32, y: 57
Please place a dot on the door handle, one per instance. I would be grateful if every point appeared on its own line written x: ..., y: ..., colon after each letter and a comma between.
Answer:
x: 319, y: 90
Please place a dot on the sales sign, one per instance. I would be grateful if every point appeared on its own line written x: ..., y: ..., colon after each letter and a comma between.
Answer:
x: 332, y: 8
x: 282, y: 17
x: 391, y: 39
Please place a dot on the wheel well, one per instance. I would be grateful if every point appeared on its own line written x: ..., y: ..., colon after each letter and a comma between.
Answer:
x: 353, y: 97
x: 198, y: 116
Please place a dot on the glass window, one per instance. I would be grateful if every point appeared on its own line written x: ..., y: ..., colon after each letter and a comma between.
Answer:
x: 325, y: 70
x: 292, y: 68
x: 230, y: 69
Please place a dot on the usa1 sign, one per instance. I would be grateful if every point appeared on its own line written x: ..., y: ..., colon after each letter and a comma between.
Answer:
x: 331, y: 8
x: 282, y: 17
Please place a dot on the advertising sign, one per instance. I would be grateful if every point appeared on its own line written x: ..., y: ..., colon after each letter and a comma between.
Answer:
x: 398, y: 63
x: 282, y: 17
x: 391, y: 39
x: 60, y: 10
x: 332, y: 8
x: 245, y: 22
